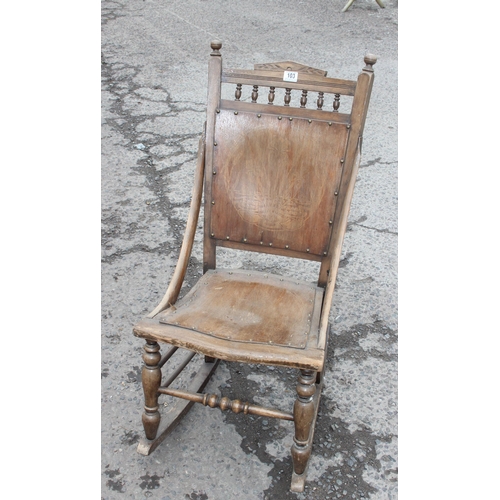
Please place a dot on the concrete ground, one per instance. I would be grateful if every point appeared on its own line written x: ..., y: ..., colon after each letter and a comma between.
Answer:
x: 154, y: 75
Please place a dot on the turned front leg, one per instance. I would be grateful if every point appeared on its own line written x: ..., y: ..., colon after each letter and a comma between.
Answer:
x: 303, y: 415
x: 151, y: 380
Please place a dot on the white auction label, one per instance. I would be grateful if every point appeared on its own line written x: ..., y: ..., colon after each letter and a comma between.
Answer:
x: 290, y: 76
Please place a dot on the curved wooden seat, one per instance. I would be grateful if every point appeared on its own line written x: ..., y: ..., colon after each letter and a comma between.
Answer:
x: 231, y: 315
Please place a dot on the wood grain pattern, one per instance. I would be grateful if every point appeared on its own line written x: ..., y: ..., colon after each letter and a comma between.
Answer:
x: 275, y: 78
x: 275, y: 181
x: 224, y: 403
x: 290, y: 66
x: 241, y: 306
x: 310, y: 358
x: 286, y: 111
x: 213, y: 102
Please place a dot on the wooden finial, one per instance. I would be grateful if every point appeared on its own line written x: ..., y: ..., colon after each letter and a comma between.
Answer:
x: 216, y: 45
x: 370, y: 60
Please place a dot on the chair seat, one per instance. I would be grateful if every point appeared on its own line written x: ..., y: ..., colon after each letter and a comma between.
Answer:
x: 232, y: 315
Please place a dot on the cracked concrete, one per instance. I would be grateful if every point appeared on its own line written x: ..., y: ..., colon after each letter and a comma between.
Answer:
x: 154, y: 72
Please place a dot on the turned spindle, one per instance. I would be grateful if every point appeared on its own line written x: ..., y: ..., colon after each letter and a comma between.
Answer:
x: 255, y: 93
x: 224, y: 403
x: 237, y: 93
x: 320, y: 100
x: 151, y: 380
x: 288, y: 96
x: 336, y: 103
x: 303, y: 99
x: 303, y: 414
x: 270, y: 97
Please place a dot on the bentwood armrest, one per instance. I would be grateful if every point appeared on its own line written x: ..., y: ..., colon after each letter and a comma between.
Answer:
x: 175, y: 285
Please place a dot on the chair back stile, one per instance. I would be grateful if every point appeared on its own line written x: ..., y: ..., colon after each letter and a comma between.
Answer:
x: 329, y: 266
x: 213, y: 100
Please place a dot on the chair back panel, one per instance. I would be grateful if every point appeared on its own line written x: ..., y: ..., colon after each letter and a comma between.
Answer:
x: 281, y: 159
x: 275, y: 180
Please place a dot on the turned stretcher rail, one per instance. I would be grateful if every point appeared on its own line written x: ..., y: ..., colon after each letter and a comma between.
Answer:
x: 224, y: 403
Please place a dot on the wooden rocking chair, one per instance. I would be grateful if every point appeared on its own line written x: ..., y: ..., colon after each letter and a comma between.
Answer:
x: 277, y: 179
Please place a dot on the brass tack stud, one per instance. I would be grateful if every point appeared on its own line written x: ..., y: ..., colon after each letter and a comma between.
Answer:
x: 329, y: 124
x: 212, y: 235
x: 330, y: 222
x: 270, y: 244
x: 236, y: 112
x: 307, y: 250
x: 279, y: 117
x: 286, y: 246
x: 342, y: 160
x: 217, y: 110
x: 290, y: 118
x: 215, y: 144
x: 259, y: 115
x: 214, y: 172
x: 244, y: 240
x: 336, y: 193
x: 213, y: 202
x: 227, y: 237
x: 261, y: 242
x: 324, y: 253
x: 348, y: 126
x: 310, y: 121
